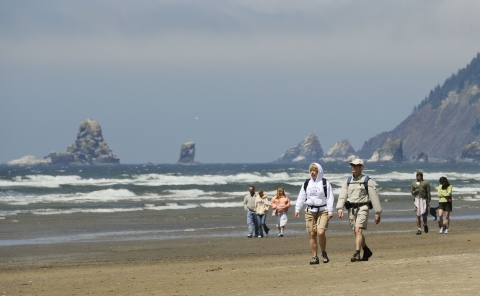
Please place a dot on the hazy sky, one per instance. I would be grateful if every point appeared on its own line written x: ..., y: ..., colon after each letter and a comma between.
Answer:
x: 260, y: 76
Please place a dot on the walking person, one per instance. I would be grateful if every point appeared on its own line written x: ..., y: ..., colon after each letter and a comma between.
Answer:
x: 280, y: 204
x: 444, y: 204
x: 261, y: 209
x: 358, y: 195
x: 317, y: 194
x: 249, y: 206
x: 422, y: 197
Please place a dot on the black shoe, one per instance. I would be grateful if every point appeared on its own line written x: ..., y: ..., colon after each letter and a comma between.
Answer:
x: 419, y: 232
x: 314, y: 260
x: 425, y: 228
x: 325, y: 257
x: 367, y: 253
x: 355, y: 258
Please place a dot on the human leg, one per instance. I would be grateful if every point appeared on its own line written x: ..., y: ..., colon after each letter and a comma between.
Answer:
x: 447, y: 221
x: 313, y: 243
x: 440, y: 219
x: 259, y: 223
x: 264, y: 224
x: 255, y: 222
x: 250, y: 223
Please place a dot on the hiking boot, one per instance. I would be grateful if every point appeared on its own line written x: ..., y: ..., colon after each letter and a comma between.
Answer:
x: 314, y: 260
x: 325, y: 257
x: 419, y: 232
x: 425, y: 228
x: 367, y: 253
x: 355, y: 258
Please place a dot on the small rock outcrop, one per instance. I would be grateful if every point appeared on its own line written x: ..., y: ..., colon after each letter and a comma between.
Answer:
x: 391, y: 151
x: 309, y: 150
x: 29, y: 160
x: 421, y: 157
x: 187, y: 153
x: 472, y: 151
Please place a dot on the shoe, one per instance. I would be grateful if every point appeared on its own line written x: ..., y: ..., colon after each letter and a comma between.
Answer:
x: 419, y: 232
x: 260, y: 236
x: 355, y: 258
x: 441, y: 230
x: 425, y: 228
x: 446, y: 231
x: 249, y: 236
x: 367, y: 253
x: 280, y: 235
x: 325, y: 257
x: 266, y: 233
x: 314, y: 260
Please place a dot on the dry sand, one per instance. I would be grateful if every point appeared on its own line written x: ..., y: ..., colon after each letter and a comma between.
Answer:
x: 403, y: 264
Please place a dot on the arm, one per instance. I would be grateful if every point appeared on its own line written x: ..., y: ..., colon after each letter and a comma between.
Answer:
x: 330, y: 200
x: 414, y: 189
x: 342, y: 198
x: 245, y: 204
x: 302, y: 196
x: 287, y: 203
x: 372, y: 194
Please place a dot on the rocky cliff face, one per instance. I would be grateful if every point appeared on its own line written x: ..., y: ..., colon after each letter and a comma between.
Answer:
x: 309, y: 150
x: 391, y: 151
x: 444, y: 123
x: 187, y: 153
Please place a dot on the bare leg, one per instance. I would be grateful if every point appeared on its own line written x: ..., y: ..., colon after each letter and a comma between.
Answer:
x: 440, y: 217
x: 359, y: 238
x: 313, y: 243
x: 322, y: 239
x: 447, y: 219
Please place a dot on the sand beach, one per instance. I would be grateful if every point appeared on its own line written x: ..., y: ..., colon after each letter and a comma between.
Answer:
x: 403, y: 264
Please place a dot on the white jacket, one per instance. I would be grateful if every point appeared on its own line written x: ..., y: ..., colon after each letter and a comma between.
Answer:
x: 314, y: 195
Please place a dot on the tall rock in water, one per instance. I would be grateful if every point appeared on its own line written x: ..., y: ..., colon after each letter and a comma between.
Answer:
x: 391, y: 151
x: 309, y: 150
x: 89, y: 148
x: 341, y: 151
x: 445, y: 122
x: 187, y: 153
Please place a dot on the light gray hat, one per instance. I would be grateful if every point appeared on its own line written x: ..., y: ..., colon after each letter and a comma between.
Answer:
x: 357, y: 161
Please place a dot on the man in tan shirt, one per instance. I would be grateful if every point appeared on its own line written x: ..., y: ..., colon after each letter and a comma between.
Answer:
x: 357, y: 194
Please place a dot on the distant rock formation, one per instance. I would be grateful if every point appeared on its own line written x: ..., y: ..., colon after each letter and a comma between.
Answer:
x: 421, y: 157
x: 445, y: 122
x: 89, y: 149
x: 391, y: 151
x: 472, y: 151
x: 341, y: 151
x: 309, y: 150
x: 187, y: 153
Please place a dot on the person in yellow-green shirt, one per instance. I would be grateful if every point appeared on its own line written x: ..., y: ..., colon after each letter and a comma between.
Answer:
x: 444, y: 204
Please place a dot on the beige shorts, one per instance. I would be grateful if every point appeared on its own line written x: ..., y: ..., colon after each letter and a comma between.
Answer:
x: 321, y: 220
x: 361, y: 217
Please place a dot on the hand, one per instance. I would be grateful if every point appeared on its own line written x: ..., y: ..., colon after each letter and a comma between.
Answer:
x: 297, y: 214
x: 330, y: 216
x: 340, y: 214
x: 377, y: 219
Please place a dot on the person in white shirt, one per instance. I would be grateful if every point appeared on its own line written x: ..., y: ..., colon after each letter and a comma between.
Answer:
x: 317, y: 194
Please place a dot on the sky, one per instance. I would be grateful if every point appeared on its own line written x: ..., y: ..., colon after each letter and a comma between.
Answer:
x: 244, y: 80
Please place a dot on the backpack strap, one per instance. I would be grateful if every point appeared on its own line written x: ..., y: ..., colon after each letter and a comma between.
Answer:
x: 365, y: 182
x: 324, y: 186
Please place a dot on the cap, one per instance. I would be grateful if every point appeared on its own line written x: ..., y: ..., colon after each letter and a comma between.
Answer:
x: 357, y: 161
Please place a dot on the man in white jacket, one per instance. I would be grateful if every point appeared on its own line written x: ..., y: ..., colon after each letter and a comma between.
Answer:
x: 317, y: 194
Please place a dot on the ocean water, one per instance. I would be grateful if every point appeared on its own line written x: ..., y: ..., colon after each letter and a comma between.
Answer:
x: 207, y: 189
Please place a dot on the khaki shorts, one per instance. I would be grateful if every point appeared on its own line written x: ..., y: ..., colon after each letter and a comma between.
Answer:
x: 361, y: 219
x: 321, y: 220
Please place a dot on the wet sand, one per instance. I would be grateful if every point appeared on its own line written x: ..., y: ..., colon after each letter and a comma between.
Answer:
x: 402, y: 264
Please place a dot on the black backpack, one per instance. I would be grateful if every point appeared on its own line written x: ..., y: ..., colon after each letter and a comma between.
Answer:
x: 324, y: 186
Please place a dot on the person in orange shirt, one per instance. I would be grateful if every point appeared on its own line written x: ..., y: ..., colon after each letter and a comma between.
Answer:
x: 280, y: 204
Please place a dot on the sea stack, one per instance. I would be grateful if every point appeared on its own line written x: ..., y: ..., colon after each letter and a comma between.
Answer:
x: 309, y: 150
x: 89, y: 148
x: 187, y: 153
